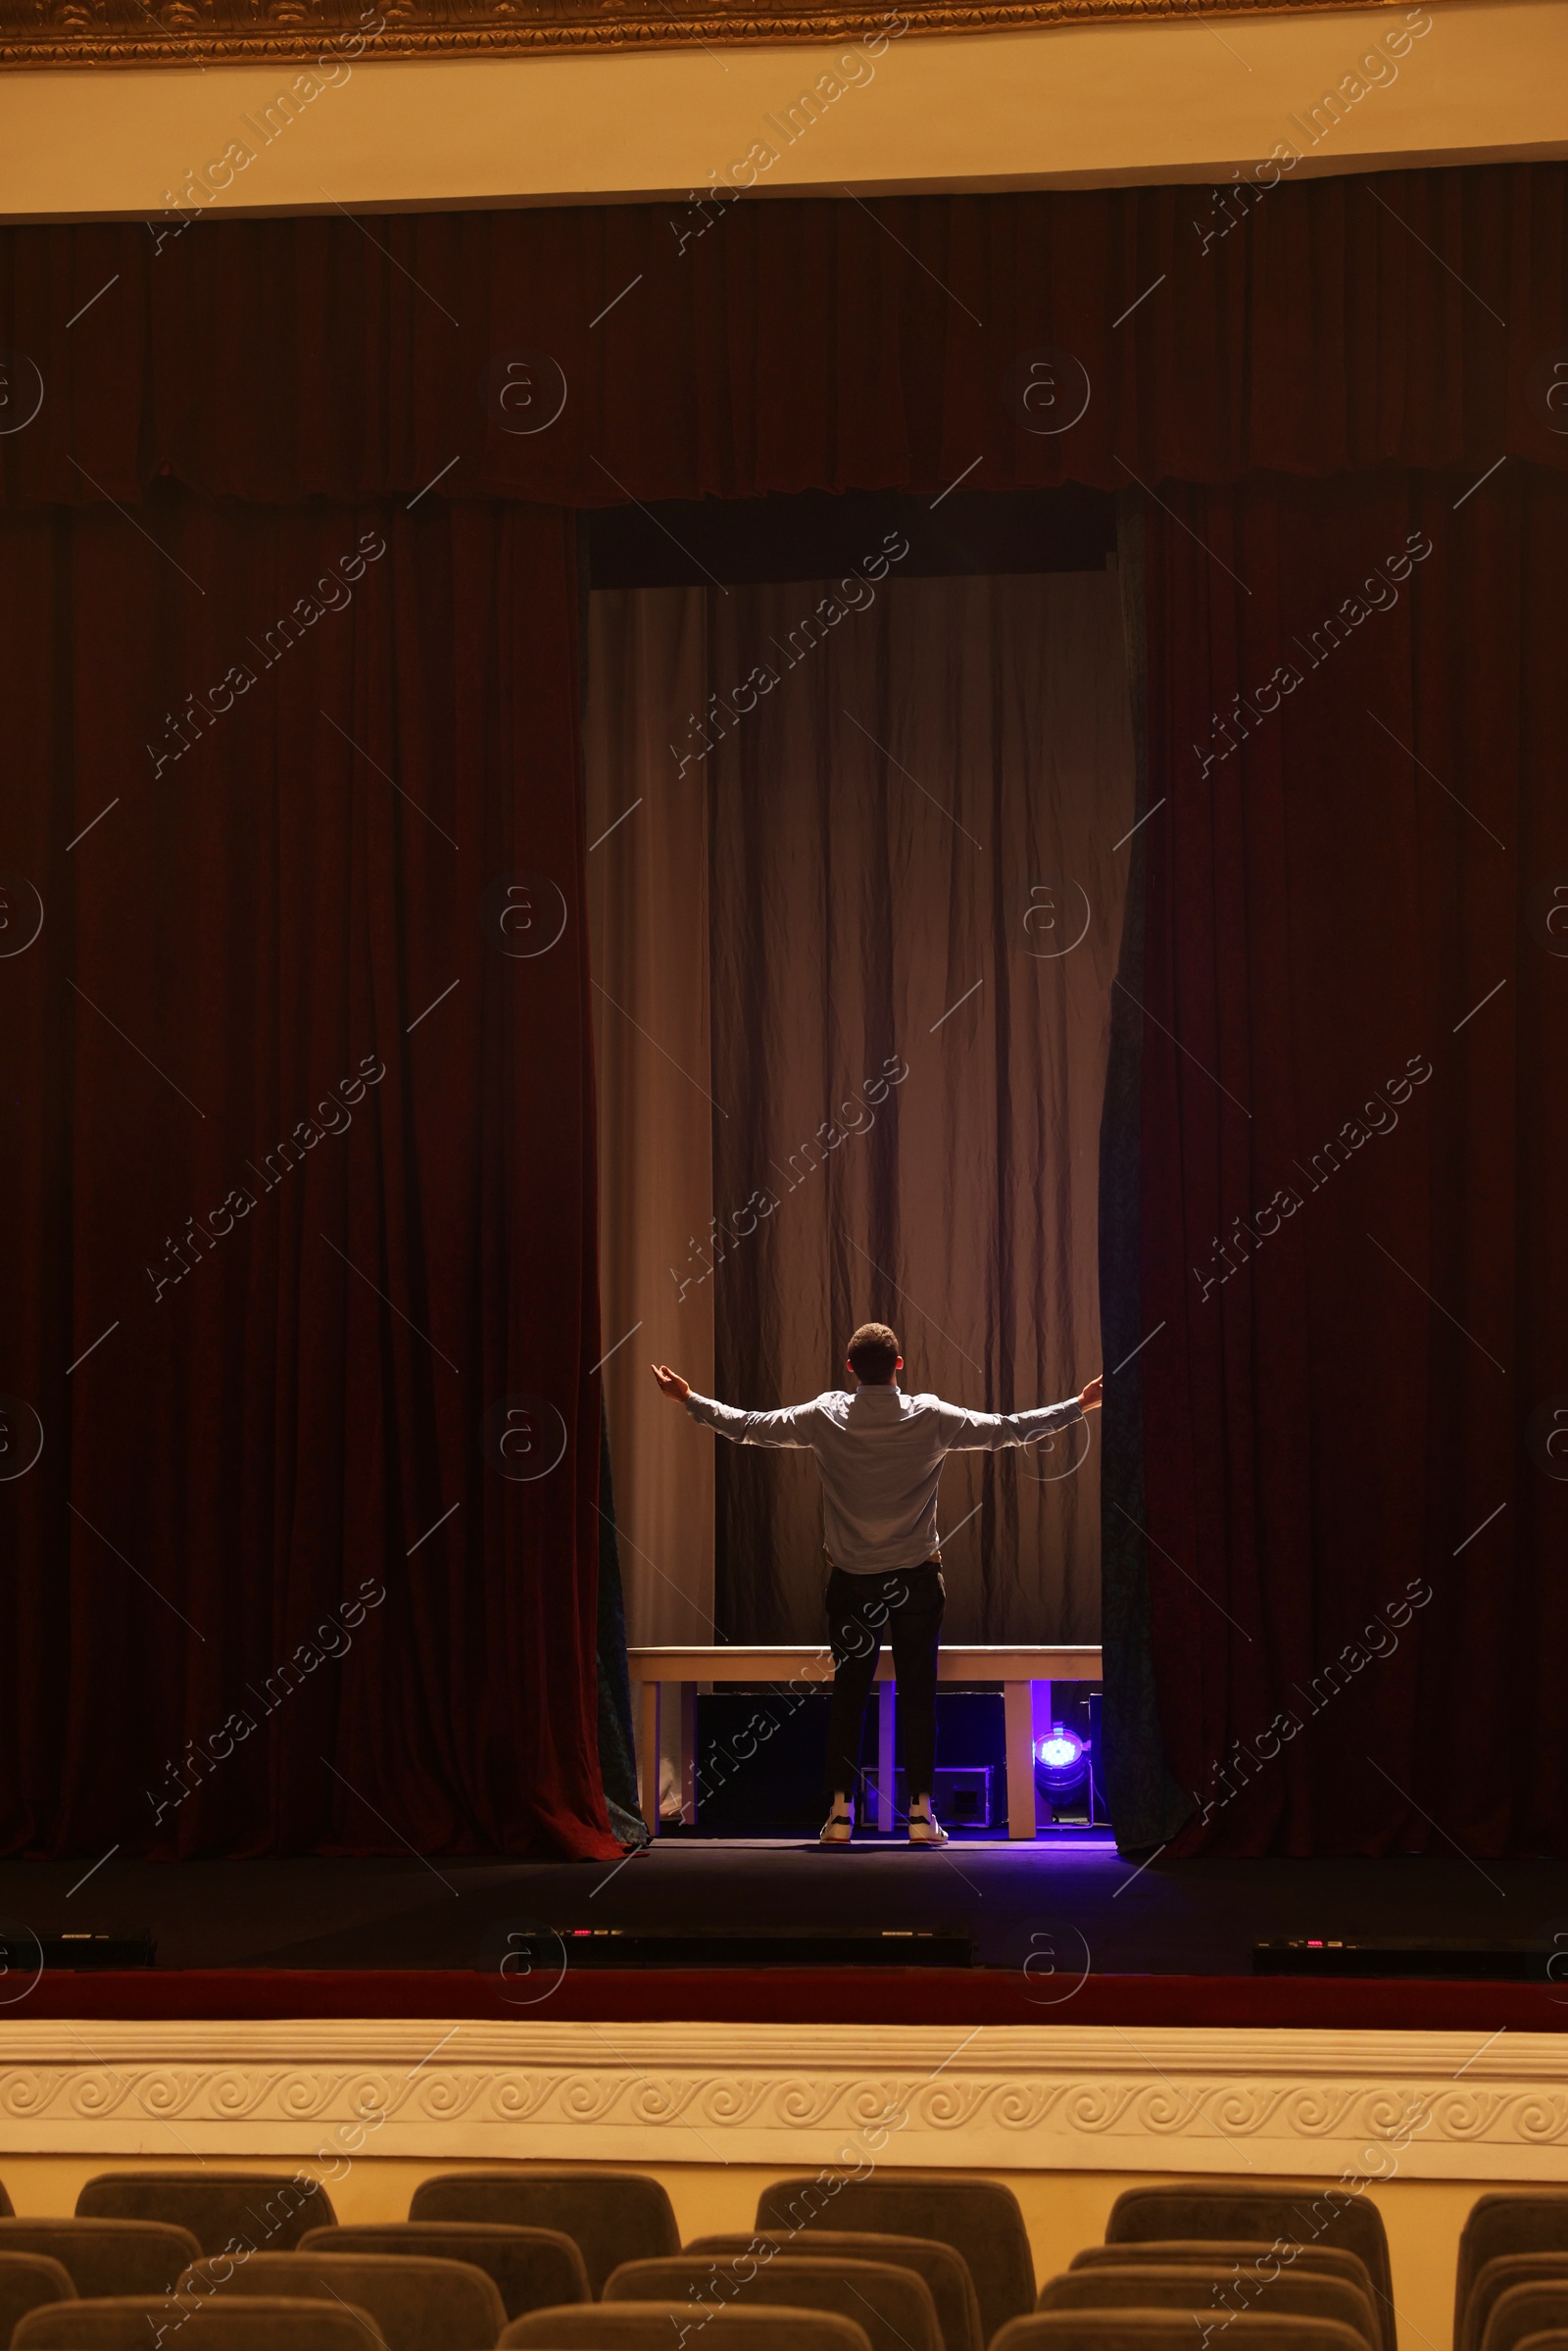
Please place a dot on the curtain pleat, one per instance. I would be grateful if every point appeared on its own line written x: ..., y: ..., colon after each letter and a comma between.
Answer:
x: 648, y: 903
x: 1147, y: 1804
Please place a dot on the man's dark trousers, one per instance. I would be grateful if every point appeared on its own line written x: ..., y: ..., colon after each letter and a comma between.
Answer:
x: 907, y: 1608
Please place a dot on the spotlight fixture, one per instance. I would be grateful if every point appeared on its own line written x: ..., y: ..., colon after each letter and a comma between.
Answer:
x: 1061, y: 1764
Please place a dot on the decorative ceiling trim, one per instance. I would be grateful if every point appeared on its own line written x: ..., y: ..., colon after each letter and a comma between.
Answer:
x: 200, y: 32
x: 1096, y: 2098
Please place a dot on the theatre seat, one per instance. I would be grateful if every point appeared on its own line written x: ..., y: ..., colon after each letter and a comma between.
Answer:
x: 1493, y: 2280
x: 1169, y: 2331
x: 107, y: 2256
x: 1239, y: 2255
x: 1528, y: 2220
x: 417, y: 2304
x: 1301, y: 2212
x: 701, y: 2327
x: 1214, y: 2293
x: 892, y: 2305
x: 30, y: 2281
x: 1525, y: 2310
x: 269, y: 2211
x: 978, y: 2218
x: 130, y: 2323
x: 944, y: 2272
x: 533, y: 2268
x: 611, y: 2216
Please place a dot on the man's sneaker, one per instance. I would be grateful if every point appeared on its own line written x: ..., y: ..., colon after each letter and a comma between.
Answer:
x: 926, y: 1830
x: 836, y: 1830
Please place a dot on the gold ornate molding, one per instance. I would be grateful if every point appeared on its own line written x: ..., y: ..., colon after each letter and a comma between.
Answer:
x: 126, y: 33
x: 1160, y: 2099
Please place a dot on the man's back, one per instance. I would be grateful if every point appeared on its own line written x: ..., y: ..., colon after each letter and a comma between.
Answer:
x: 879, y: 1453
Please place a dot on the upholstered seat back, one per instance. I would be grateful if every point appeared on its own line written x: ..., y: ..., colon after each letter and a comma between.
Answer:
x: 892, y: 2305
x: 534, y: 2269
x: 978, y: 2218
x: 132, y: 2322
x: 27, y: 2280
x: 417, y: 2304
x: 113, y: 2258
x: 1212, y: 2292
x: 1528, y: 2220
x: 611, y: 2216
x: 268, y: 2211
x: 945, y: 2270
x: 1285, y: 2212
x: 698, y: 2326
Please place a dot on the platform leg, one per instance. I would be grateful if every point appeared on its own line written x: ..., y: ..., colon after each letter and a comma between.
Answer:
x: 1018, y: 1708
x: 648, y: 1757
x: 887, y: 1715
x: 688, y: 1753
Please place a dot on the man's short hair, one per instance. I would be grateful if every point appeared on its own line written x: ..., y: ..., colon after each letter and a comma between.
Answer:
x: 874, y: 1353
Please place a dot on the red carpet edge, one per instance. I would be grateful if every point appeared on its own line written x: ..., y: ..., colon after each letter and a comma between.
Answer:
x: 799, y: 1995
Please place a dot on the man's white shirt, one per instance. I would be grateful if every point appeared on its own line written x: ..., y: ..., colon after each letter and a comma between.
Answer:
x: 880, y: 1454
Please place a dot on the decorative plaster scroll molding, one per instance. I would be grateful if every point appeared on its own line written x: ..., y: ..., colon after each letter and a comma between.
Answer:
x: 123, y: 32
x: 1018, y: 2097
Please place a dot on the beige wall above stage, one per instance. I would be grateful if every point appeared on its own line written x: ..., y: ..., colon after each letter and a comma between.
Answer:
x: 1059, y: 107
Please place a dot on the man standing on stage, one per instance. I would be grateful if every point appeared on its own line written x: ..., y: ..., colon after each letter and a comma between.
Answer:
x: 879, y: 1453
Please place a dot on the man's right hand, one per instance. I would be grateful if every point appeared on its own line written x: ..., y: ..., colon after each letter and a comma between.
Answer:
x: 670, y: 1382
x: 1090, y: 1397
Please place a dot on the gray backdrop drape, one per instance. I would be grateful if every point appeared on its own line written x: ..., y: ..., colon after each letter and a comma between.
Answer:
x: 899, y: 1118
x: 648, y: 920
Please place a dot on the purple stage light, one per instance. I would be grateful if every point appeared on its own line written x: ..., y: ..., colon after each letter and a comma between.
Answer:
x: 1060, y: 1751
x: 1061, y: 1764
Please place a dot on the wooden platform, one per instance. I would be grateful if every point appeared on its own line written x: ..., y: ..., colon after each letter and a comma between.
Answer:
x: 1026, y: 1675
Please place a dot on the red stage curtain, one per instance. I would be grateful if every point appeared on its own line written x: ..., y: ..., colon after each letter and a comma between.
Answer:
x: 1319, y: 1433
x: 1358, y: 1023
x: 1346, y: 322
x: 298, y: 1184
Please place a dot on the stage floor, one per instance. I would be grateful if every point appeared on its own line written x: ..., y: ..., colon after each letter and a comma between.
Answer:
x: 1191, y: 1918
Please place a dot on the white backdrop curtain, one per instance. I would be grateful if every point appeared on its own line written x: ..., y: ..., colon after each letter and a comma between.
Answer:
x: 860, y: 937
x: 648, y: 914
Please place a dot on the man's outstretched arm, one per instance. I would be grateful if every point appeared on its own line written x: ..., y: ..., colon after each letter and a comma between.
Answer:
x: 792, y: 1426
x: 990, y: 1432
